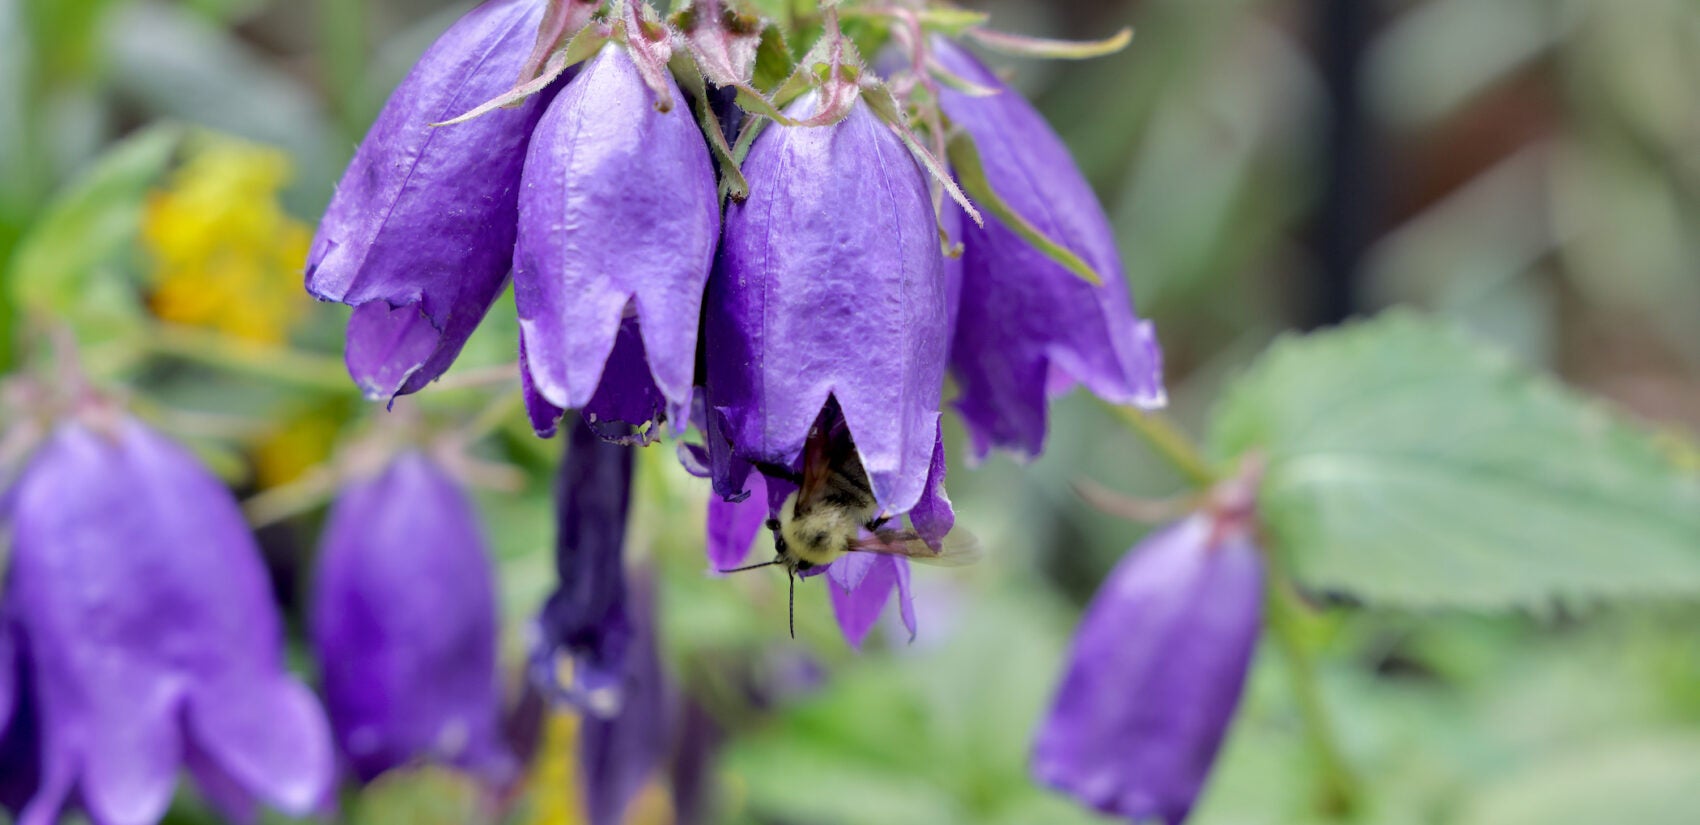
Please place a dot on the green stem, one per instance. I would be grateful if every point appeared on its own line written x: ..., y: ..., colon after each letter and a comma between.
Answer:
x: 281, y: 364
x: 1338, y: 794
x: 1168, y: 441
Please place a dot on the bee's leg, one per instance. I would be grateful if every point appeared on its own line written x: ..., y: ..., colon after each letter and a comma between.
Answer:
x: 779, y: 471
x: 877, y: 523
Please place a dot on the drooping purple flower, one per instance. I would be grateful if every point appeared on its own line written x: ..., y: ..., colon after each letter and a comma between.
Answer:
x: 1155, y: 672
x: 147, y: 615
x: 830, y: 286
x: 1027, y: 325
x: 419, y: 237
x: 618, y: 217
x: 404, y: 623
x: 585, y: 628
x: 620, y: 753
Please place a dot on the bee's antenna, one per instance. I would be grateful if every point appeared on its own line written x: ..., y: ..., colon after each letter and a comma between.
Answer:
x: 750, y: 567
x: 791, y: 611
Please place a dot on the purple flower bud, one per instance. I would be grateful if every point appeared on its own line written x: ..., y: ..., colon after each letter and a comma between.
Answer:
x: 620, y: 753
x: 420, y: 234
x: 1026, y: 324
x: 585, y: 626
x: 830, y: 287
x: 618, y: 215
x: 148, y: 619
x: 1155, y: 673
x: 404, y: 622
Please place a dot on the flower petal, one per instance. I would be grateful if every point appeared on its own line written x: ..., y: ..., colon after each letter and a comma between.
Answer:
x: 1155, y: 673
x: 618, y: 207
x: 404, y: 622
x: 733, y: 526
x: 861, y: 584
x: 1020, y: 311
x: 269, y: 736
x: 423, y: 221
x: 831, y: 285
x: 620, y: 754
x: 933, y: 516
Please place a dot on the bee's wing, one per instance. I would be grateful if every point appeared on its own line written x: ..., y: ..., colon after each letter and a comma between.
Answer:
x: 959, y: 547
x: 817, y: 467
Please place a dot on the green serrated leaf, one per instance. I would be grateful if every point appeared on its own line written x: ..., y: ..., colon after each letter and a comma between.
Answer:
x: 971, y: 174
x: 65, y: 266
x: 773, y: 59
x: 1409, y: 465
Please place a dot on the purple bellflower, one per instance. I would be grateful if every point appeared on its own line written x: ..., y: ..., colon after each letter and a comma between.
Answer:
x: 619, y: 754
x: 618, y: 217
x: 420, y: 235
x: 830, y: 287
x: 146, y: 614
x: 585, y: 628
x: 404, y: 623
x: 1026, y: 325
x: 1156, y: 671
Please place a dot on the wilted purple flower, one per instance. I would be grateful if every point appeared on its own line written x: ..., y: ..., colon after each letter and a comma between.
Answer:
x: 148, y: 621
x: 1156, y: 671
x: 420, y: 234
x: 585, y: 627
x: 618, y: 216
x: 830, y: 286
x: 620, y: 753
x: 404, y: 622
x: 1027, y: 325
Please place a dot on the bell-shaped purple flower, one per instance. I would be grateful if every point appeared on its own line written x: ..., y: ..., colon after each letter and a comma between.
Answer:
x: 419, y: 237
x: 830, y: 286
x: 585, y: 628
x: 618, y: 217
x: 1027, y: 325
x: 621, y: 752
x: 148, y: 620
x: 404, y: 623
x: 1155, y: 673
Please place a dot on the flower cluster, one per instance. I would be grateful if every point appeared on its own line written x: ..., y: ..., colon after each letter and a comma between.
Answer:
x: 832, y: 291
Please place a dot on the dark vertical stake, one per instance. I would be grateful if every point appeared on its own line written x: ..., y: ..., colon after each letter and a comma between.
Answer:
x: 1347, y: 212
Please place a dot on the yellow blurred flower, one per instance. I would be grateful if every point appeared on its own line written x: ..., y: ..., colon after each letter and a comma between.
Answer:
x: 554, y: 781
x: 225, y: 254
x: 296, y: 446
x: 555, y: 798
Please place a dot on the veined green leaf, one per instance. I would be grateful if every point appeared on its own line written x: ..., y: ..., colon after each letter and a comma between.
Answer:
x: 1410, y: 466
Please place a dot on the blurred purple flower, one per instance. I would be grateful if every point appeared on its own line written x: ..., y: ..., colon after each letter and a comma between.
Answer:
x: 20, y: 737
x: 420, y: 234
x: 830, y: 287
x: 147, y: 616
x: 620, y: 753
x: 1026, y: 325
x: 404, y: 622
x: 618, y: 215
x: 585, y: 628
x: 1155, y: 673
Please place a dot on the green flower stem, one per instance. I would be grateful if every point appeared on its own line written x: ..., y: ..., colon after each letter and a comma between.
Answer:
x: 1338, y: 793
x: 1169, y: 442
x: 310, y: 491
x: 281, y: 364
